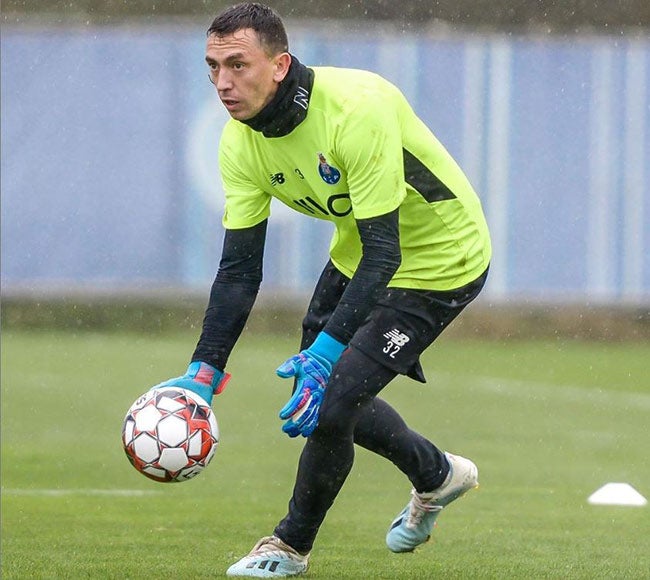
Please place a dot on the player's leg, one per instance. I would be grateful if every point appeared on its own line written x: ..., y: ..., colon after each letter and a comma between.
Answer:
x: 410, y: 321
x: 381, y: 428
x: 271, y: 556
x: 324, y: 465
x: 349, y: 410
x: 328, y: 454
x: 383, y: 431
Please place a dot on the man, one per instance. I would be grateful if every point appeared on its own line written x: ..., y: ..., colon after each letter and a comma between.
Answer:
x: 411, y: 250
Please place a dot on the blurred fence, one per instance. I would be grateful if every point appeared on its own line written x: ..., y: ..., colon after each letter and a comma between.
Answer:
x: 110, y: 180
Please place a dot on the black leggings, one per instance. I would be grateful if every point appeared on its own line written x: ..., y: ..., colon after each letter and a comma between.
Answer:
x: 351, y: 413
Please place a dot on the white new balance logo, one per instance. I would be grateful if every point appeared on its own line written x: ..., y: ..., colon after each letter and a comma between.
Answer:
x: 396, y: 340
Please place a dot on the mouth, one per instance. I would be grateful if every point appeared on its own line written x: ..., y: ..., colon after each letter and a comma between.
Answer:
x: 230, y: 104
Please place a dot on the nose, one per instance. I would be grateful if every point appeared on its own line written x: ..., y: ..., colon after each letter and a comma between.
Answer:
x: 222, y: 80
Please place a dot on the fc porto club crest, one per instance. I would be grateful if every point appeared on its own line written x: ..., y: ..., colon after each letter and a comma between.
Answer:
x: 328, y: 173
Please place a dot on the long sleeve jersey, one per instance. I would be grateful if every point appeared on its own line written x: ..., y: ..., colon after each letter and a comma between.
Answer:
x: 357, y: 155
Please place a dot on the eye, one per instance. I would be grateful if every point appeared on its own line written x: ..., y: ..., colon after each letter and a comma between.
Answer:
x: 238, y: 65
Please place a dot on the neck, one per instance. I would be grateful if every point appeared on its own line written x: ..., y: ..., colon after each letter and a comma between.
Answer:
x: 289, y: 106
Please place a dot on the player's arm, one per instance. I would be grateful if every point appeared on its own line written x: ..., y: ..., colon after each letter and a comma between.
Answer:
x: 232, y: 297
x: 240, y: 270
x: 370, y: 148
x: 312, y: 366
x: 380, y: 260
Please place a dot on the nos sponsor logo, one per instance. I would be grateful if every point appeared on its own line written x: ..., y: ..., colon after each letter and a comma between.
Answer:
x: 337, y: 205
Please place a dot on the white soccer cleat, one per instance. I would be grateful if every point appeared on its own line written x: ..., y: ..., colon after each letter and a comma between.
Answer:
x: 413, y: 525
x: 270, y: 558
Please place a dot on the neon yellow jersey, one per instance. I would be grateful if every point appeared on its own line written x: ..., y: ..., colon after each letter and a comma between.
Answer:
x: 361, y: 152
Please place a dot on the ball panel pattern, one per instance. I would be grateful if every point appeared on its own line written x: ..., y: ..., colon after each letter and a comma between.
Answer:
x: 170, y: 434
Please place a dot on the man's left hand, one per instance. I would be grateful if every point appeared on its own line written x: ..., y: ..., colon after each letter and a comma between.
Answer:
x: 311, y: 368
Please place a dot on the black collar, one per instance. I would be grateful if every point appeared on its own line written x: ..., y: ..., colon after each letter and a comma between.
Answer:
x: 289, y: 105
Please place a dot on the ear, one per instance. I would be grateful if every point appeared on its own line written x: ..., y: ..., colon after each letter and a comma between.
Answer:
x: 282, y: 64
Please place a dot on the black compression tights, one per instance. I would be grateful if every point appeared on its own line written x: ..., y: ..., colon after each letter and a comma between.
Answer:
x: 351, y: 414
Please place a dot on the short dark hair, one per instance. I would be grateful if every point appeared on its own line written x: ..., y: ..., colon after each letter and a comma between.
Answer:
x: 258, y: 17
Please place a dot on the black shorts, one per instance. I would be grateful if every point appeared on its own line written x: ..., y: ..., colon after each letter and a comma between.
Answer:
x: 403, y: 323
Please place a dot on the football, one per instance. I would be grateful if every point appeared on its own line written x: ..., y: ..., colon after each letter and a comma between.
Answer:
x: 170, y: 434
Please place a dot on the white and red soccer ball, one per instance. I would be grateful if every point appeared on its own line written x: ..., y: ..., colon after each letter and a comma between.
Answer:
x: 170, y: 434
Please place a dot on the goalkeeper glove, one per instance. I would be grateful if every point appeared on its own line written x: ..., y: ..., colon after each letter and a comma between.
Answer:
x: 200, y: 378
x: 311, y: 368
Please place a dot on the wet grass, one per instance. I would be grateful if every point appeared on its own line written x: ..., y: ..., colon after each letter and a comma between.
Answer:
x: 547, y: 422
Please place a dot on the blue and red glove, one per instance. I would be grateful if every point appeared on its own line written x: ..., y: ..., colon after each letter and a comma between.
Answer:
x: 311, y: 368
x: 200, y: 378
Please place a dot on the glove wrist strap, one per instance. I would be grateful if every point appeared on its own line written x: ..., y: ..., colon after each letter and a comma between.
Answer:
x: 208, y: 375
x: 327, y: 347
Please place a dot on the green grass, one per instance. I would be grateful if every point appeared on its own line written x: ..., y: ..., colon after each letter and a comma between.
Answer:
x: 547, y: 423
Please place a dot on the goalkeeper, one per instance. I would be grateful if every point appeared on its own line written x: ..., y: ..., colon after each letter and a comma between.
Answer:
x: 410, y: 250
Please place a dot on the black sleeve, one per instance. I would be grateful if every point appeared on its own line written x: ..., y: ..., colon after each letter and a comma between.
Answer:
x: 233, y: 294
x: 381, y: 259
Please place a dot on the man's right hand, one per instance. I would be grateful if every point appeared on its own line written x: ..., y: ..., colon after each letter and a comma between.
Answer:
x: 200, y: 378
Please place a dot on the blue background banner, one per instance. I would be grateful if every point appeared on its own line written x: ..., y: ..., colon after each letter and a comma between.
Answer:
x: 110, y: 177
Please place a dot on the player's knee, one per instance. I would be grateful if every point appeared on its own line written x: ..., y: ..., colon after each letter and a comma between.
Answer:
x: 330, y: 423
x: 336, y: 419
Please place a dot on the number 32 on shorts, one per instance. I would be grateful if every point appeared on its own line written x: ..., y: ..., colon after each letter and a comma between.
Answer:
x: 396, y: 340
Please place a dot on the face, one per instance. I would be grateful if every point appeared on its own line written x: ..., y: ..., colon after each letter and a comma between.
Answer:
x: 245, y: 76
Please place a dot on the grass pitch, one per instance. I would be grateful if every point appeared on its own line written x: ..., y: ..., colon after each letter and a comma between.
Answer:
x: 547, y: 424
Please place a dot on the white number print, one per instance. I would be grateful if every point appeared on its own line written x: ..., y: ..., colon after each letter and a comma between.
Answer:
x: 396, y: 340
